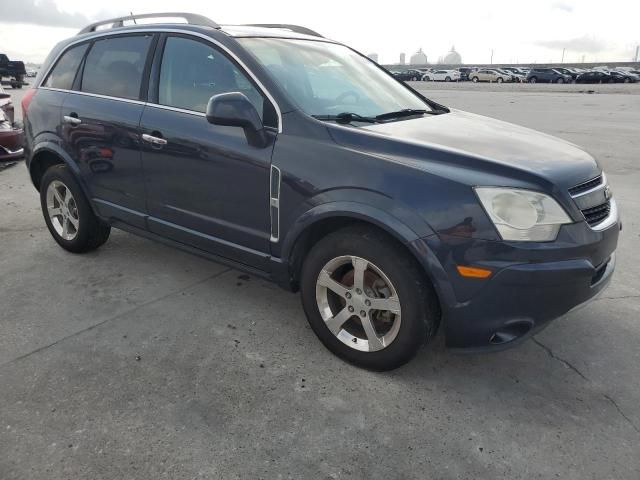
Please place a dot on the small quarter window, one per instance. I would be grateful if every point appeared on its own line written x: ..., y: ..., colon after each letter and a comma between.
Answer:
x: 64, y: 72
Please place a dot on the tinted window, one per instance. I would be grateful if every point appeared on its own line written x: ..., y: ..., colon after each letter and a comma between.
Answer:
x: 192, y: 72
x: 114, y: 66
x: 65, y: 70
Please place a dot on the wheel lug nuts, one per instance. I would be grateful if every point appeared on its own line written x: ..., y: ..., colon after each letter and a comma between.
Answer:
x: 367, y: 303
x: 348, y: 295
x: 350, y: 308
x: 363, y: 313
x: 358, y: 291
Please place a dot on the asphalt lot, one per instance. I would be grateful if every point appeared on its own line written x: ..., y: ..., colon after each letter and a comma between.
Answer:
x: 140, y: 361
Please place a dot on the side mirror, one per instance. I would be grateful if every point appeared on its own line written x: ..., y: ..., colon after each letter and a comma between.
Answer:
x: 234, y: 109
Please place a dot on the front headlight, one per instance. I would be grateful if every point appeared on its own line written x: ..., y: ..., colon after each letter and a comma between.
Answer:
x: 522, y: 215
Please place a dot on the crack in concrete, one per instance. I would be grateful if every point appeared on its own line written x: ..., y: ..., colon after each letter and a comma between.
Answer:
x: 622, y: 414
x: 91, y: 327
x: 560, y: 359
x: 573, y: 368
x: 617, y: 298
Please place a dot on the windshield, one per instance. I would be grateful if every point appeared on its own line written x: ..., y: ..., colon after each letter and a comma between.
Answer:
x: 326, y: 79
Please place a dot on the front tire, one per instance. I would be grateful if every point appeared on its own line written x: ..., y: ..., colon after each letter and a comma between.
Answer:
x: 475, y: 79
x: 366, y: 299
x: 67, y: 212
x: 533, y: 80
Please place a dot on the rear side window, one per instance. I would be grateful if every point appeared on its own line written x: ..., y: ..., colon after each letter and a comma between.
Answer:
x: 114, y: 66
x: 64, y: 72
x: 192, y: 72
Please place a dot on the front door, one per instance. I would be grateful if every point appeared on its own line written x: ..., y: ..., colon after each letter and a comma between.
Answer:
x: 206, y: 186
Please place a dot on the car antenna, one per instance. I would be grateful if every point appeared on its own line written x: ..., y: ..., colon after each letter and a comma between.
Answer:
x: 133, y: 18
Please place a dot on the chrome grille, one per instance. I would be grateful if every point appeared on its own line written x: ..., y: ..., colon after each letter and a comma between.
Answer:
x: 593, y: 198
x: 583, y: 187
x: 597, y: 214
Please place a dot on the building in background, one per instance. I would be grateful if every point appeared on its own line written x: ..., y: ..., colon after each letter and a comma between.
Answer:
x: 373, y: 56
x: 419, y: 58
x: 403, y: 59
x: 452, y: 58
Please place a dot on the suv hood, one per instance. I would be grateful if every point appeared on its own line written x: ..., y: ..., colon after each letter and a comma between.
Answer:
x: 493, y: 143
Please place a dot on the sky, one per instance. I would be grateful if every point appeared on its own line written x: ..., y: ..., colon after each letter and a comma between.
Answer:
x: 517, y: 31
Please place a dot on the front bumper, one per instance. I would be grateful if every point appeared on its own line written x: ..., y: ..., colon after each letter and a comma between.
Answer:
x: 531, y: 284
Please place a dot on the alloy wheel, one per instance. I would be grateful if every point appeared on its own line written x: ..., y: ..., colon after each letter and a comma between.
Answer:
x: 358, y: 303
x: 62, y: 210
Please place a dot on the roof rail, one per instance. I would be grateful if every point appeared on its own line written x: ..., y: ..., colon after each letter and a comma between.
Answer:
x: 191, y: 18
x: 285, y: 26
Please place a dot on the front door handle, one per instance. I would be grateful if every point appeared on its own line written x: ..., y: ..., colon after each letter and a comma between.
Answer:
x: 72, y: 119
x: 153, y: 140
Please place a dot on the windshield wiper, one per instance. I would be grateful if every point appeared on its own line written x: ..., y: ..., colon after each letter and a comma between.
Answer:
x: 346, y: 117
x: 407, y: 112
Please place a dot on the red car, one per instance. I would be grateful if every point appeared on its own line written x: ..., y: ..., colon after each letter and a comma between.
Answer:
x: 11, y: 135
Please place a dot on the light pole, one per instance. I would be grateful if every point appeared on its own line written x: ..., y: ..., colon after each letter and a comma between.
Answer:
x: 491, y: 57
x: 563, y: 50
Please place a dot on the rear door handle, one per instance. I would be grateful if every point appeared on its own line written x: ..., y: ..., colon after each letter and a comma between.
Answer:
x: 153, y: 140
x: 73, y: 120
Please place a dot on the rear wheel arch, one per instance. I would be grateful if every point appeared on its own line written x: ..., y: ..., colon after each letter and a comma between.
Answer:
x: 40, y: 163
x: 48, y: 154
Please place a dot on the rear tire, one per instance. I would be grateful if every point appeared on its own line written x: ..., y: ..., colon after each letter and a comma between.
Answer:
x: 68, y: 214
x: 500, y: 80
x: 447, y: 79
x: 533, y: 80
x: 376, y: 339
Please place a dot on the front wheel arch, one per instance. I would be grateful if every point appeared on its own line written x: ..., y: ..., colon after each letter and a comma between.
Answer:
x: 327, y: 218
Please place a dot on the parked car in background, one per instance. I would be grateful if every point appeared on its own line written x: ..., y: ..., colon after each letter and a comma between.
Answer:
x: 623, y: 77
x: 13, y: 70
x: 597, y: 76
x: 11, y: 134
x: 408, y: 75
x: 515, y: 77
x: 521, y: 74
x: 490, y: 75
x: 569, y: 72
x: 442, y: 76
x: 464, y: 73
x: 547, y: 75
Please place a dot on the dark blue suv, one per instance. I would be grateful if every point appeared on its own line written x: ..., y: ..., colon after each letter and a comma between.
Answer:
x: 297, y: 159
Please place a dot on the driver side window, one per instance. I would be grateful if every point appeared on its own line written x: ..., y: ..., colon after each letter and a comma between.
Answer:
x: 192, y: 72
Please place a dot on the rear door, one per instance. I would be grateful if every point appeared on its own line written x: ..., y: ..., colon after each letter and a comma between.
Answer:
x: 101, y: 125
x: 207, y: 187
